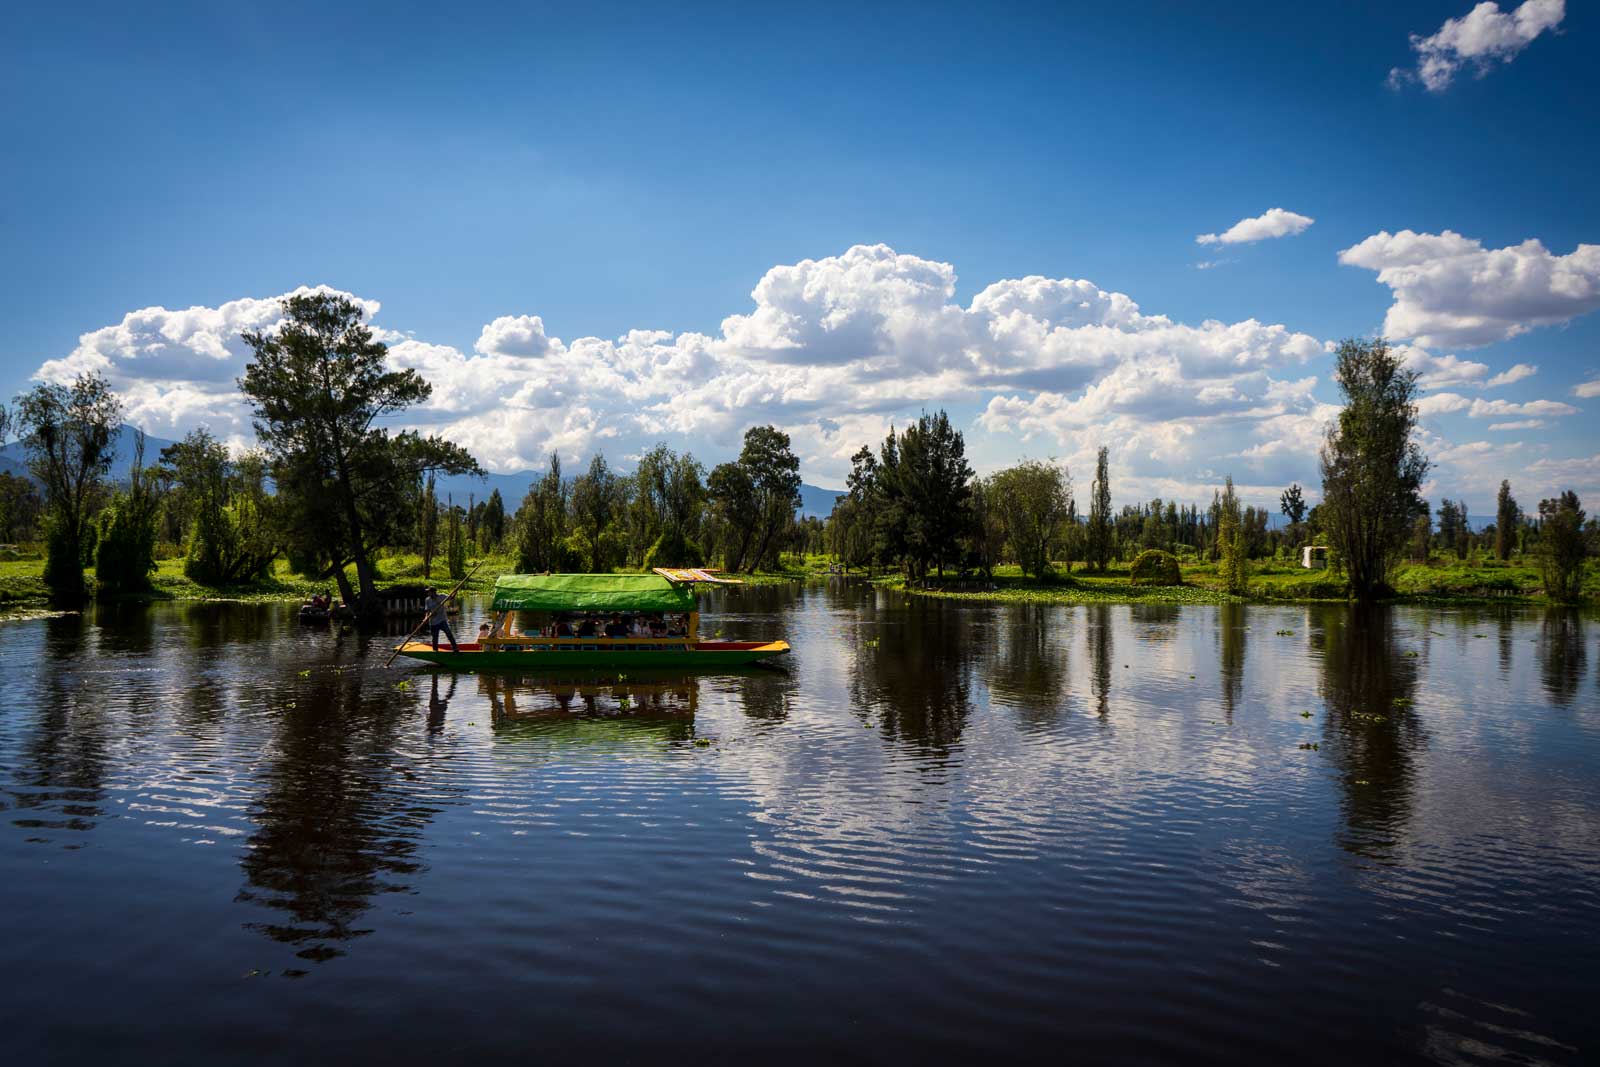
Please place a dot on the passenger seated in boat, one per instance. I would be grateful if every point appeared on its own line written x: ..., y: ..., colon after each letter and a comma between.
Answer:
x: 616, y: 627
x: 483, y: 632
x: 658, y: 627
x: 563, y: 627
x: 586, y: 628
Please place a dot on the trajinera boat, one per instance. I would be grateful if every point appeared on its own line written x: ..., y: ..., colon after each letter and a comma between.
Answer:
x: 601, y: 621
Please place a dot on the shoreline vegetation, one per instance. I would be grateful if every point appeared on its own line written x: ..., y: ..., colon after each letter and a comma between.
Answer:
x: 1479, y: 581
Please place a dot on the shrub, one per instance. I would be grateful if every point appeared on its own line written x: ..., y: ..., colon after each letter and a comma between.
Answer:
x: 1155, y: 567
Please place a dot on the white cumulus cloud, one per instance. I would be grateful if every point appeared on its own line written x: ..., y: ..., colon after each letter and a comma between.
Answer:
x: 832, y: 350
x: 1587, y: 390
x: 1275, y: 222
x: 1450, y: 290
x: 1480, y: 38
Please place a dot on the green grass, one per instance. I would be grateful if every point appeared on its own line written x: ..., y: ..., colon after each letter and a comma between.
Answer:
x: 22, y: 585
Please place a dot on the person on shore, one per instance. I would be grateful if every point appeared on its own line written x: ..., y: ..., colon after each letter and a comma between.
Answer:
x: 438, y: 609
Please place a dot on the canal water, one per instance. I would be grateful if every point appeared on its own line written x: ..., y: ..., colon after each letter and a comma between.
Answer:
x: 945, y: 832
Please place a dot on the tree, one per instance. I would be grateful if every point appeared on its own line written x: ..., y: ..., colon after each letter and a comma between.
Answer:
x: 232, y: 531
x: 734, y: 504
x: 455, y: 544
x: 494, y: 522
x: 317, y: 387
x: 1032, y: 499
x: 69, y: 433
x: 1450, y: 524
x: 1293, y: 502
x: 1097, y: 548
x: 1372, y: 470
x: 1507, y: 517
x: 1421, y: 534
x: 1563, y: 547
x: 542, y: 523
x: 1230, y: 539
x: 596, y: 497
x: 428, y: 525
x: 774, y: 473
x: 20, y: 508
x: 126, y: 550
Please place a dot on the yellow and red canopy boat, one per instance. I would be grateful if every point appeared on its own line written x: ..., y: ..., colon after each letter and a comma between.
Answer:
x: 601, y: 621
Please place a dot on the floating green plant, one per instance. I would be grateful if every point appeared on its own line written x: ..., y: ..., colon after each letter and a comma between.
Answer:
x: 1312, y: 746
x: 1285, y: 633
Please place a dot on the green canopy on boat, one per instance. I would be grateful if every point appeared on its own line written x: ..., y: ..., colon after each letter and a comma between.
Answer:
x: 590, y: 592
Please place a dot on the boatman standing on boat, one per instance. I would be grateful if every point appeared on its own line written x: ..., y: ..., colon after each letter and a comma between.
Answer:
x: 438, y: 609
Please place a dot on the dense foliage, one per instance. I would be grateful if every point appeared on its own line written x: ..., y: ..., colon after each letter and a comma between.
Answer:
x: 1372, y: 469
x: 318, y: 387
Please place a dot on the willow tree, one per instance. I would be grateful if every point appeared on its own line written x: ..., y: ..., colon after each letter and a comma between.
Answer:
x: 1372, y: 469
x: 319, y: 385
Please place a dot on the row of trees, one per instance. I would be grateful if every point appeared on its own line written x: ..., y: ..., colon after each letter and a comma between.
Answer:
x: 343, y: 488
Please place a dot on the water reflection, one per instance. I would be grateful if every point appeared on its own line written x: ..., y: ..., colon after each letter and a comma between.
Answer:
x: 1231, y: 629
x: 1371, y: 730
x: 1101, y: 652
x: 1030, y: 668
x: 60, y: 784
x: 1563, y: 656
x: 915, y: 675
x: 338, y: 822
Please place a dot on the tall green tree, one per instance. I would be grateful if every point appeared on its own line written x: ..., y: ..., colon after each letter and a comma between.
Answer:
x: 1230, y: 539
x: 318, y: 387
x: 1563, y: 547
x: 69, y: 432
x: 1372, y: 468
x: 1098, y: 547
x: 542, y: 523
x: 494, y: 522
x: 455, y: 543
x: 428, y: 524
x: 774, y: 473
x: 1507, y: 517
x: 736, y: 509
x: 596, y: 500
x: 1032, y: 499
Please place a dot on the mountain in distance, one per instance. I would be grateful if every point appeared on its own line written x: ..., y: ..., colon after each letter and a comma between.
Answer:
x: 461, y: 487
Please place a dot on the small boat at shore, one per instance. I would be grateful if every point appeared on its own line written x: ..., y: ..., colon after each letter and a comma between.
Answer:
x: 599, y: 621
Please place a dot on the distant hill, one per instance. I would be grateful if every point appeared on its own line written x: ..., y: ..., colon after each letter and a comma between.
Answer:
x: 14, y: 458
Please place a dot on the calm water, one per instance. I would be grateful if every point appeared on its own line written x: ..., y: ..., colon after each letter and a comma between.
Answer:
x: 1098, y: 834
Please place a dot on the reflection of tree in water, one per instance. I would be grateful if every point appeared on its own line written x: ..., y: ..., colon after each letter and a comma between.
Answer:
x: 1370, y: 731
x: 915, y: 673
x: 338, y: 822
x: 1230, y: 651
x: 61, y: 776
x: 1028, y: 663
x: 1155, y: 622
x: 1101, y: 651
x: 1562, y: 656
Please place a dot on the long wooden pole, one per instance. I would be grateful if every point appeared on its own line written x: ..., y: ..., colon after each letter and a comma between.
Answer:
x: 426, y: 615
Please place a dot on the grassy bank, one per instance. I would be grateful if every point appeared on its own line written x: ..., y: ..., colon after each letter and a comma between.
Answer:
x: 1269, y: 581
x: 1476, y: 581
x: 22, y: 580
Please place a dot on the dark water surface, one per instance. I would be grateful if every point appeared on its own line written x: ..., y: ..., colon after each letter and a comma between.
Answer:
x: 1106, y: 834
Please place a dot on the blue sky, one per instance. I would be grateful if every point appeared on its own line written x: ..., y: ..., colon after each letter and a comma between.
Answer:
x: 640, y: 168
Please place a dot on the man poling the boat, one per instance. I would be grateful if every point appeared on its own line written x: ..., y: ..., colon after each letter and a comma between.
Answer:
x: 438, y: 609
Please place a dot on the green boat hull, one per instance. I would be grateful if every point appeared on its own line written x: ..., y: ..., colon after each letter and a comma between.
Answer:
x: 473, y: 659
